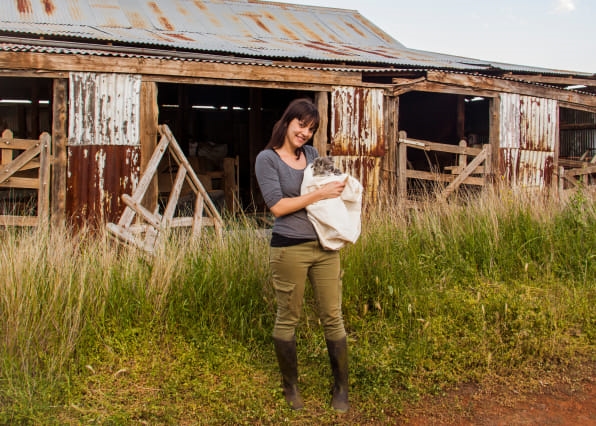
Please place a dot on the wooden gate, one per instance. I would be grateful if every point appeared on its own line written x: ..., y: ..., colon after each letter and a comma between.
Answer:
x: 24, y: 180
x: 476, y: 172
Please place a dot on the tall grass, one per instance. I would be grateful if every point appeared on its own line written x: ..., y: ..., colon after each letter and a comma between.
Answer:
x: 449, y: 293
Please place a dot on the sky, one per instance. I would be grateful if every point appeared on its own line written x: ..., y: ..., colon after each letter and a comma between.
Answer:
x: 558, y: 34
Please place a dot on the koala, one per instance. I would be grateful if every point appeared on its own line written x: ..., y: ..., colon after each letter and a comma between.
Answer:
x: 323, y: 166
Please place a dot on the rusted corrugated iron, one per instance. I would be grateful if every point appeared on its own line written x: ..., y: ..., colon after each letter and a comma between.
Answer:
x: 357, y: 121
x: 238, y: 27
x: 103, y: 145
x: 357, y: 136
x: 528, y: 140
x: 364, y: 168
x: 104, y: 109
x: 97, y: 178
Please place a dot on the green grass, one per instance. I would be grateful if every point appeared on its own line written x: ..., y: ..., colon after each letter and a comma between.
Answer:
x: 95, y: 332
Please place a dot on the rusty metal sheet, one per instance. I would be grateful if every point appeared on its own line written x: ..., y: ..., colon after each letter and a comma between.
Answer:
x: 538, y: 123
x: 97, y: 178
x: 364, y: 168
x: 104, y: 109
x: 238, y: 27
x: 528, y: 139
x: 527, y: 169
x: 357, y: 121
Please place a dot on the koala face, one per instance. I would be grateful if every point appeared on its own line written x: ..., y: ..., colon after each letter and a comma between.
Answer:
x: 323, y: 166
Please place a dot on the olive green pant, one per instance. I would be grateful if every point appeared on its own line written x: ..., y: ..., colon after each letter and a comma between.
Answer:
x: 290, y: 267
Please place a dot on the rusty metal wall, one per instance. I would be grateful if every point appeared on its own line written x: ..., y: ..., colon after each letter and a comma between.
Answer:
x: 104, y: 109
x: 97, y: 177
x: 103, y: 145
x: 357, y: 133
x: 529, y: 134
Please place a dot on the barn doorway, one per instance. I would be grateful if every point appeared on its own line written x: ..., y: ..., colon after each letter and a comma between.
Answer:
x: 215, y: 123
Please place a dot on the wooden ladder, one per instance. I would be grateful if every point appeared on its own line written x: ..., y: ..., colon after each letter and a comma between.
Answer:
x: 148, y: 229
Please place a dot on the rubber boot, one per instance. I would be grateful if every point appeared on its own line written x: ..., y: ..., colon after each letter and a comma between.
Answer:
x: 338, y: 356
x: 288, y: 365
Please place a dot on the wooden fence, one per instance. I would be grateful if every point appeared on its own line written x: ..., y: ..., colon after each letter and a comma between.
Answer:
x: 475, y: 172
x: 24, y: 179
x: 576, y: 172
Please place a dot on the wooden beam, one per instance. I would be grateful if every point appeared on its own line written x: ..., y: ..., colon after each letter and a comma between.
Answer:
x: 510, y: 86
x: 320, y: 138
x: 567, y: 81
x: 148, y: 121
x: 429, y: 86
x: 59, y: 160
x: 176, y: 68
x: 442, y: 177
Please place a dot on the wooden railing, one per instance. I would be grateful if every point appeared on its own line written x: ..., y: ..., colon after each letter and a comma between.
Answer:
x: 454, y: 175
x: 573, y: 173
x: 25, y: 164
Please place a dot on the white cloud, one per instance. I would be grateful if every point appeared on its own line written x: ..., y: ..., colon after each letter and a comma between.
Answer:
x: 565, y: 6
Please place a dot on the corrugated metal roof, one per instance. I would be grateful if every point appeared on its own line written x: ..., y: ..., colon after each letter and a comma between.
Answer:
x: 247, y: 28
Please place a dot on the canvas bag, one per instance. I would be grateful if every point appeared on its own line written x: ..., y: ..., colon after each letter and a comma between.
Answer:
x: 336, y: 220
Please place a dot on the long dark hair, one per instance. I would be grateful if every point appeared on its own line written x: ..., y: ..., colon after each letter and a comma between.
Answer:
x: 304, y: 110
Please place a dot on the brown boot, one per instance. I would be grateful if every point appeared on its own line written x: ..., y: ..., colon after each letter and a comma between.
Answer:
x: 288, y: 365
x: 338, y: 356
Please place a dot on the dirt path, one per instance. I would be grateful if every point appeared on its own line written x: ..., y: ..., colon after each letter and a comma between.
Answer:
x: 562, y: 401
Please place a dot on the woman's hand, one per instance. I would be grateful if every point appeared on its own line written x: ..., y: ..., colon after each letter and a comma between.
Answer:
x: 332, y: 189
x: 290, y: 205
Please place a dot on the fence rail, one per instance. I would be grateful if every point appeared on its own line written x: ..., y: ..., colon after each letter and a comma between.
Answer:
x: 474, y: 172
x: 24, y: 165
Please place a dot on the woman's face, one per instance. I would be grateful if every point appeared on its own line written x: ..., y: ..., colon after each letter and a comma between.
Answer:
x: 299, y: 132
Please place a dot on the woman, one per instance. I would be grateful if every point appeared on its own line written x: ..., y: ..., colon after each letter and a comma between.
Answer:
x: 295, y: 252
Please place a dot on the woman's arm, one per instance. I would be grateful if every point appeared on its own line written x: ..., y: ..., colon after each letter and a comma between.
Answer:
x: 290, y: 205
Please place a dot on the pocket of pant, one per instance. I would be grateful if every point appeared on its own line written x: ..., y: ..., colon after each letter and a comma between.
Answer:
x: 276, y: 261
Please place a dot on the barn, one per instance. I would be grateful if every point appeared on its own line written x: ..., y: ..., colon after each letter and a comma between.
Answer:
x: 101, y: 98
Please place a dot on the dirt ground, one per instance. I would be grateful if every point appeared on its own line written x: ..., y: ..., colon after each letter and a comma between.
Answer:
x: 562, y: 399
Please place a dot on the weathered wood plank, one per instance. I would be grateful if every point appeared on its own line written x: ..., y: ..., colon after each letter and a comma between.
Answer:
x: 179, y: 69
x: 510, y: 86
x: 464, y: 174
x: 58, y: 150
x: 20, y: 182
x: 148, y: 121
x: 436, y: 146
x: 8, y: 169
x: 441, y: 177
x: 21, y: 144
x: 8, y: 220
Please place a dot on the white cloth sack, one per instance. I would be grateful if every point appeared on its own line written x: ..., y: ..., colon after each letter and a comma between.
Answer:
x: 336, y: 220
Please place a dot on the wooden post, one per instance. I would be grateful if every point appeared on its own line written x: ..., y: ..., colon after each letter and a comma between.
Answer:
x: 463, y: 158
x: 494, y: 138
x: 402, y: 159
x: 59, y: 159
x: 389, y: 183
x: 561, y: 182
x: 7, y: 153
x: 148, y: 121
x: 320, y: 139
x: 43, y: 194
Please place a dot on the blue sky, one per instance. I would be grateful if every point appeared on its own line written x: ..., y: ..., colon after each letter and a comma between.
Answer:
x: 559, y: 34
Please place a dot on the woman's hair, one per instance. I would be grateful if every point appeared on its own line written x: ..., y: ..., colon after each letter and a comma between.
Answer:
x: 304, y: 110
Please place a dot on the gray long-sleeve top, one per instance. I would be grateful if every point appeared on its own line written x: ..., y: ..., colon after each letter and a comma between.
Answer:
x: 277, y: 180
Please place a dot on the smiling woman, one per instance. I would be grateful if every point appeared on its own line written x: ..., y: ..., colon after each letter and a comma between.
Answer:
x: 296, y: 253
